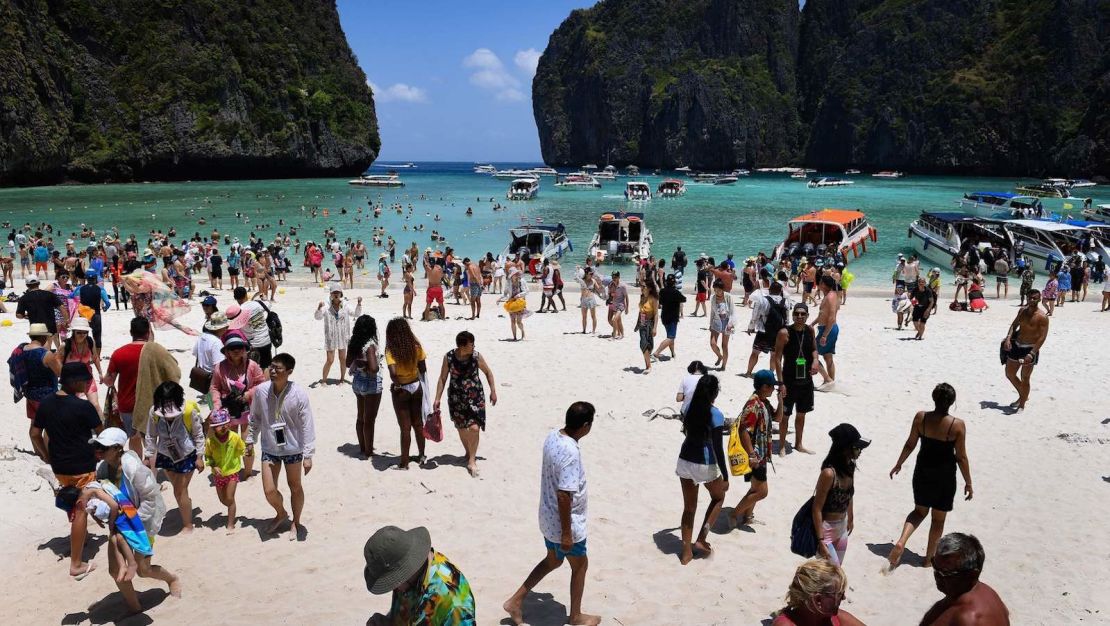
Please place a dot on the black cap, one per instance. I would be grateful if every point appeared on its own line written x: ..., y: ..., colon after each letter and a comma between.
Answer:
x: 75, y: 372
x: 846, y: 435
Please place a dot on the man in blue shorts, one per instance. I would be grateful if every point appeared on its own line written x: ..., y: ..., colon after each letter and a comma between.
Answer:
x: 827, y: 331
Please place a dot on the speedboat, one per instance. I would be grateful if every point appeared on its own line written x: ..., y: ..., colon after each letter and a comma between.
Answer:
x: 636, y: 190
x: 671, y: 188
x: 544, y: 171
x: 1046, y: 242
x: 826, y: 231
x: 1097, y: 240
x: 887, y: 174
x: 682, y: 169
x: 1001, y: 205
x: 523, y: 189
x: 939, y: 236
x: 632, y: 170
x: 828, y: 182
x: 1098, y: 213
x: 578, y: 181
x: 387, y: 180
x: 620, y: 236
x: 851, y: 172
x: 1081, y: 182
x: 511, y: 174
x: 725, y: 179
x: 542, y: 240
x: 485, y: 169
x: 798, y: 175
x: 704, y: 178
x: 740, y: 172
x: 1042, y: 190
x: 609, y: 173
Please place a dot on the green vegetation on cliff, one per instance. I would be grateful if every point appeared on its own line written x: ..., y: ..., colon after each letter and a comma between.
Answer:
x: 97, y: 90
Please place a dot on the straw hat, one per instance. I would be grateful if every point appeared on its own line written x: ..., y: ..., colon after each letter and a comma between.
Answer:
x: 79, y: 324
x: 393, y: 556
x: 38, y: 330
x: 218, y: 321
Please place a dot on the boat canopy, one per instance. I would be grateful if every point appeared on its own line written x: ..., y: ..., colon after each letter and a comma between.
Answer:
x: 547, y: 227
x: 951, y: 217
x: 847, y: 218
x: 1004, y: 195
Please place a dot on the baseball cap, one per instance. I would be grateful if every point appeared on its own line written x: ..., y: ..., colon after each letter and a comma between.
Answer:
x: 110, y: 437
x: 801, y: 306
x: 208, y: 301
x: 764, y: 377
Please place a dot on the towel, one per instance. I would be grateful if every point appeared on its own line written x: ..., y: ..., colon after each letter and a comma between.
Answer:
x: 156, y: 366
x: 127, y: 522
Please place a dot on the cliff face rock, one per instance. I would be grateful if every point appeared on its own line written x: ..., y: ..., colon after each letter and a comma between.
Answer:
x: 1004, y: 87
x: 116, y: 90
x: 704, y: 83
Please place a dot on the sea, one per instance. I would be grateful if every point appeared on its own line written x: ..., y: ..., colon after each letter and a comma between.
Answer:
x: 744, y: 218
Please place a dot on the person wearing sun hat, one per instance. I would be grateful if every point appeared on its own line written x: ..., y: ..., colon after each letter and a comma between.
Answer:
x: 32, y: 377
x: 427, y: 588
x: 223, y: 453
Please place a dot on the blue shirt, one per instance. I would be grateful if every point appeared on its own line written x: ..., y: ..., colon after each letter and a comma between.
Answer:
x: 42, y: 255
x: 698, y: 447
x: 1064, y: 280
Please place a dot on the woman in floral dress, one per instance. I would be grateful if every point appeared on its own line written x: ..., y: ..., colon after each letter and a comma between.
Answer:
x: 465, y: 396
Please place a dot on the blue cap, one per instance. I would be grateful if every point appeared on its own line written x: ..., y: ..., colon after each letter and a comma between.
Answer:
x: 208, y: 301
x: 90, y: 274
x: 764, y: 377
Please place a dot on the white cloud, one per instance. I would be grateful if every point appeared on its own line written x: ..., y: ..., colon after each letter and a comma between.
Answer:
x: 527, y: 60
x: 490, y: 73
x: 398, y: 92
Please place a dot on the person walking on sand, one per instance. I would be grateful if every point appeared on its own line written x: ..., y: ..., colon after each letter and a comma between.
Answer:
x: 434, y: 272
x: 833, y: 514
x: 943, y: 447
x: 281, y: 420
x: 466, y: 399
x: 921, y: 298
x: 967, y: 600
x: 410, y: 288
x: 722, y: 323
x: 827, y: 330
x: 517, y: 303
x: 769, y: 313
x: 701, y: 461
x: 366, y: 380
x: 794, y: 362
x: 670, y: 310
x: 128, y: 474
x: 814, y: 597
x: 474, y: 273
x: 337, y: 329
x: 404, y: 355
x: 647, y: 322
x: 562, y: 514
x: 589, y: 290
x: 755, y: 437
x: 175, y: 444
x: 223, y: 454
x: 618, y: 305
x: 1024, y: 338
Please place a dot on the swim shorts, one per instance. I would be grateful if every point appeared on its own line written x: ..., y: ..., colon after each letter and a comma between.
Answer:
x: 475, y: 291
x: 435, y: 294
x: 799, y: 396
x: 578, y: 549
x: 1018, y: 352
x: 830, y: 341
x: 671, y: 328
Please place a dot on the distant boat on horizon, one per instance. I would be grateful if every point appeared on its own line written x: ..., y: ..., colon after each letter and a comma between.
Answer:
x: 409, y: 165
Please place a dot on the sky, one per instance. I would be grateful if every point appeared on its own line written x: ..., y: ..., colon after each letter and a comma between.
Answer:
x: 452, y: 80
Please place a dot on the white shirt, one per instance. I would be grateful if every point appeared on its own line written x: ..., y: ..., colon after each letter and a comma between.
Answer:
x: 258, y: 334
x: 207, y: 351
x: 760, y: 308
x: 562, y: 471
x: 295, y: 421
x: 686, y: 388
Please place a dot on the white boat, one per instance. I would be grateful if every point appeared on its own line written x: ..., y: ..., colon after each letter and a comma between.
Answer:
x: 740, y: 172
x: 578, y: 181
x: 671, y: 188
x: 887, y: 174
x: 825, y: 232
x: 387, y: 180
x: 682, y: 169
x: 1081, y: 182
x: 609, y: 173
x: 540, y: 240
x: 828, y: 182
x: 939, y: 236
x: 589, y: 167
x: 1043, y: 190
x: 1098, y: 213
x: 1045, y: 242
x: 799, y: 175
x: 544, y: 171
x: 523, y: 189
x: 620, y: 236
x: 511, y: 174
x: 851, y: 172
x: 725, y: 179
x: 396, y: 166
x: 1001, y: 205
x: 704, y: 178
x: 635, y: 190
x: 485, y: 169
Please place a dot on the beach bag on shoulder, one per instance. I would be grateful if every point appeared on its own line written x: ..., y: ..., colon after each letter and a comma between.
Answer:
x: 200, y: 379
x: 803, y: 541
x: 273, y: 322
x: 738, y: 462
x: 17, y: 372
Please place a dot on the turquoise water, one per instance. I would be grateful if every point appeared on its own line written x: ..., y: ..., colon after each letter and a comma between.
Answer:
x: 743, y: 218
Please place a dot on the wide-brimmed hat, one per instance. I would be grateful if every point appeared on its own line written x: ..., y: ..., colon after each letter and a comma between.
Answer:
x: 38, y: 330
x: 393, y: 556
x: 218, y: 321
x: 235, y: 340
x: 79, y: 323
x: 236, y: 318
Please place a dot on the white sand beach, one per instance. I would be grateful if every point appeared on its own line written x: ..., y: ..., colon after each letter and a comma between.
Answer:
x: 1041, y: 478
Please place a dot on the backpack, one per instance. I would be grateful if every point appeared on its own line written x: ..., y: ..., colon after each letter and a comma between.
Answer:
x: 776, y: 317
x: 191, y: 408
x: 273, y: 323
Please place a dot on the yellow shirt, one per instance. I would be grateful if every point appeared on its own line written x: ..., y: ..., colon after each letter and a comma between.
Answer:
x: 225, y: 457
x: 406, y: 372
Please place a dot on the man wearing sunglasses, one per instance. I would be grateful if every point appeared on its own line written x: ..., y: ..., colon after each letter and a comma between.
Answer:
x: 794, y: 362
x: 956, y: 568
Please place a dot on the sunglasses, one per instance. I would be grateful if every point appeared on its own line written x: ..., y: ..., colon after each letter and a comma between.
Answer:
x: 938, y: 573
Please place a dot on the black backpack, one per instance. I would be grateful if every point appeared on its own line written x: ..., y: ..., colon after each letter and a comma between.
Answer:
x: 776, y: 317
x: 273, y: 322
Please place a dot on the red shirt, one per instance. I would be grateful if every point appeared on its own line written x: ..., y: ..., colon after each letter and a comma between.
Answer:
x: 125, y: 363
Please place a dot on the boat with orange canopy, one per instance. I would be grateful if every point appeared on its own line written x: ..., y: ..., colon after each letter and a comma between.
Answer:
x: 825, y: 232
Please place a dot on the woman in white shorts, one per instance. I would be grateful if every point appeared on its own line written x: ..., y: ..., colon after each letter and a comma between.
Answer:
x: 701, y: 461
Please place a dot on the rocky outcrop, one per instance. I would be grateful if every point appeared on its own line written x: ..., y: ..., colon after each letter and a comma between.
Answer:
x: 117, y: 90
x: 658, y: 83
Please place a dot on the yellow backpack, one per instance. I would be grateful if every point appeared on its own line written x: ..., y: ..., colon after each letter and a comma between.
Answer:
x: 737, y: 456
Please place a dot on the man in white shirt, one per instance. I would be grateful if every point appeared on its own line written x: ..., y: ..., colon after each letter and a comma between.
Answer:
x: 562, y: 514
x: 258, y: 333
x: 764, y: 341
x: 281, y: 421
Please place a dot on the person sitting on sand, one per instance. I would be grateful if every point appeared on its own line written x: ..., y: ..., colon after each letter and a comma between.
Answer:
x: 1026, y: 335
x: 814, y: 597
x: 427, y: 588
x: 967, y: 600
x: 701, y: 460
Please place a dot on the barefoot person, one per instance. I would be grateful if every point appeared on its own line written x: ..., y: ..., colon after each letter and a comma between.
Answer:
x: 670, y: 309
x: 647, y: 323
x: 814, y: 597
x: 466, y: 399
x: 755, y: 436
x: 833, y: 513
x: 426, y: 587
x: 562, y: 514
x: 405, y: 358
x: 223, y: 453
x: 174, y: 443
x: 337, y: 315
x: 281, y: 420
x: 701, y: 461
x: 967, y: 600
x: 722, y: 322
x: 794, y: 362
x: 943, y: 447
x: 126, y: 472
x: 618, y: 305
x: 589, y: 290
x: 827, y: 329
x: 434, y: 272
x: 1026, y: 335
x: 366, y: 380
x: 474, y: 275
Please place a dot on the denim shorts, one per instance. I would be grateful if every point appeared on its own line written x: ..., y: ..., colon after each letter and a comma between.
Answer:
x: 288, y: 459
x: 185, y: 466
x: 364, y: 384
x: 578, y: 549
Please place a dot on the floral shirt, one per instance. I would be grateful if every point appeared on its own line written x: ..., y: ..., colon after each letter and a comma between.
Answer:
x: 443, y: 599
x: 756, y: 418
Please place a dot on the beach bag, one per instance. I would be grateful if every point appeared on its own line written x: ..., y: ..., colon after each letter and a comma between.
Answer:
x: 111, y: 410
x: 803, y: 541
x: 738, y: 462
x: 776, y: 318
x: 433, y: 422
x: 17, y: 373
x: 516, y: 305
x: 273, y: 322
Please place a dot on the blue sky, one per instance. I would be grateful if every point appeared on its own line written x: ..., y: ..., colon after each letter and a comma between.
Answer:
x: 453, y: 80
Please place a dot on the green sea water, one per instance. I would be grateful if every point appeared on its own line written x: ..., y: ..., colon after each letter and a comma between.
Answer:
x: 744, y: 218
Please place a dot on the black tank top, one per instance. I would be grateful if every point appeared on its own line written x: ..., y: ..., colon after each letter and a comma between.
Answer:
x: 799, y: 343
x: 937, y: 452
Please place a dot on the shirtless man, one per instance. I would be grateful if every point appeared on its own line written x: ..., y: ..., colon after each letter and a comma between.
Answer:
x: 1023, y: 346
x: 435, y: 288
x: 956, y: 569
x: 809, y: 280
x: 474, y: 275
x: 827, y: 331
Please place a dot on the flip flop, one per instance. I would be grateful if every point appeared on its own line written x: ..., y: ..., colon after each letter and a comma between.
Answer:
x: 89, y: 568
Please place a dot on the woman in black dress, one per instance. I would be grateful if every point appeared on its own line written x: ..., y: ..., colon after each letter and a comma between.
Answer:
x: 934, y: 476
x: 466, y: 398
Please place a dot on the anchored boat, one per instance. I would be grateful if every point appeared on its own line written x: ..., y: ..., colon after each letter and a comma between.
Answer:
x: 620, y: 236
x: 523, y: 189
x: 827, y: 230
x: 540, y: 240
x: 671, y: 188
x: 635, y: 190
x: 939, y: 236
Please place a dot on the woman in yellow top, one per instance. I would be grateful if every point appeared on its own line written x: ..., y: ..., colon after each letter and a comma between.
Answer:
x: 223, y: 452
x: 405, y: 357
x: 649, y: 321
